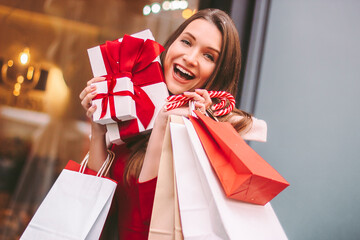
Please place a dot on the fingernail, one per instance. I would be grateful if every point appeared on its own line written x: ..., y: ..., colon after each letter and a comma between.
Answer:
x: 94, y: 93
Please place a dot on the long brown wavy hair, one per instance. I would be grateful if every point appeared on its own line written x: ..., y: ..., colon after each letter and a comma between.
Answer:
x: 224, y: 78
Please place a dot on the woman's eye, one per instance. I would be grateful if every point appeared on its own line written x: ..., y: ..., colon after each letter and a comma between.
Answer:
x: 185, y: 42
x: 210, y: 57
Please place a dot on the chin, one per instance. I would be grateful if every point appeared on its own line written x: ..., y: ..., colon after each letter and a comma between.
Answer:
x: 175, y: 92
x: 175, y: 89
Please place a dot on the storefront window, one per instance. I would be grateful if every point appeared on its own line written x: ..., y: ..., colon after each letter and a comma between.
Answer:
x: 44, y: 66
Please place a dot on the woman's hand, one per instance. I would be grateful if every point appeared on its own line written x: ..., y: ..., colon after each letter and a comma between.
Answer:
x: 201, y: 99
x: 150, y: 167
x: 98, y: 149
x: 86, y: 96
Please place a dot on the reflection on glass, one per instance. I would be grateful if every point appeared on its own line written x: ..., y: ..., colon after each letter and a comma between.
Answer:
x: 59, y: 32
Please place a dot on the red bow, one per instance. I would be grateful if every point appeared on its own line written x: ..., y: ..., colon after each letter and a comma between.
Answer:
x: 131, y: 58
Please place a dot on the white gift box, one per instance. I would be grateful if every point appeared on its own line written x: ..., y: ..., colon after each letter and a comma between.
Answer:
x: 124, y: 106
x: 96, y: 59
x: 158, y: 93
x: 98, y: 69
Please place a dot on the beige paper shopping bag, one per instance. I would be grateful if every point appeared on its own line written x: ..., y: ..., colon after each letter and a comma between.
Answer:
x: 165, y: 219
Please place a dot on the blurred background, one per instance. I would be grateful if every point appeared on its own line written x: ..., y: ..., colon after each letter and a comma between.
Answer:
x: 300, y: 73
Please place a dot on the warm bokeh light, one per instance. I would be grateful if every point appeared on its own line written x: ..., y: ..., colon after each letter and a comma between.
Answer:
x: 10, y: 63
x: 20, y: 79
x: 16, y: 93
x: 30, y: 73
x: 184, y: 4
x: 166, y: 5
x: 155, y: 7
x: 175, y: 5
x: 146, y: 10
x: 24, y: 56
x: 188, y: 13
x: 17, y: 86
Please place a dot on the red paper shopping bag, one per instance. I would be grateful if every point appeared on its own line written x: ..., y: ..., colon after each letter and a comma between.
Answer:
x: 243, y: 173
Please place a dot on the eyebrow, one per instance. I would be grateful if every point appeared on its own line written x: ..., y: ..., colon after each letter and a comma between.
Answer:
x: 193, y: 37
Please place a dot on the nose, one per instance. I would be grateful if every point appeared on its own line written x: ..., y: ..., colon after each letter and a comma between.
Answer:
x: 190, y: 57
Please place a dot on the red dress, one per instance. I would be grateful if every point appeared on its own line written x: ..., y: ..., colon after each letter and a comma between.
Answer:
x: 132, y: 204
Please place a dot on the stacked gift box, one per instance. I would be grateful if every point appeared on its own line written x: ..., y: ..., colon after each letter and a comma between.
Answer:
x: 134, y: 91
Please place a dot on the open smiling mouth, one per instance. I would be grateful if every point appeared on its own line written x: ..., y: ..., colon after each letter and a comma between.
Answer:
x: 181, y: 72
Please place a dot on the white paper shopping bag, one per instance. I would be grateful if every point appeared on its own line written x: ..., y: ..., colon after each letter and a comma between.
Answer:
x: 205, y: 211
x: 76, y: 206
x: 194, y: 203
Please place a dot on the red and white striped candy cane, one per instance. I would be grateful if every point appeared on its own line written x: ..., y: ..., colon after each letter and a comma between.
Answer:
x: 221, y: 104
x: 173, y: 105
x: 176, y: 101
x: 223, y: 96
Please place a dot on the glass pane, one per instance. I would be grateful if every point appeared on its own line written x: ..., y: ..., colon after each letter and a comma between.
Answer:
x: 44, y: 66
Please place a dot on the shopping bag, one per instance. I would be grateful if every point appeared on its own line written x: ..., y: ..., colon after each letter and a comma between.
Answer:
x: 76, y: 205
x: 243, y: 173
x: 165, y: 219
x: 197, y: 210
x: 205, y: 211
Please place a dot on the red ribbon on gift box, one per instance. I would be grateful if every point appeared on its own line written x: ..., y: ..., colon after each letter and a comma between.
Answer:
x: 133, y: 58
x: 109, y: 96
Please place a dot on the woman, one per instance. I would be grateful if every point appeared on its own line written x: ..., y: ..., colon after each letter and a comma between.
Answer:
x: 202, y: 54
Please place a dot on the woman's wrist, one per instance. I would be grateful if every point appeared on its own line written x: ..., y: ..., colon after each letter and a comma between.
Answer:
x: 161, y: 120
x: 98, y: 129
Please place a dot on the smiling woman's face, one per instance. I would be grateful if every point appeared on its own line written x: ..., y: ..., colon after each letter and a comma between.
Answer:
x: 192, y: 57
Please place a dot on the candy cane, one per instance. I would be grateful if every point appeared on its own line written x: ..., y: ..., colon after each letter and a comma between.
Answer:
x: 220, y: 105
x: 173, y: 105
x: 176, y: 101
x: 176, y: 98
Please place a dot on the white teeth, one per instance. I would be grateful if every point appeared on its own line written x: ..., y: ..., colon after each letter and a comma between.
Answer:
x: 183, y: 70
